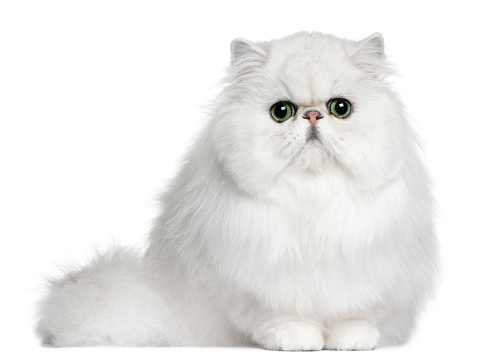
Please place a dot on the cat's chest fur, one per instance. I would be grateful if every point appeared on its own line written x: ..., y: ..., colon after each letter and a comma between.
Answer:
x: 312, y: 248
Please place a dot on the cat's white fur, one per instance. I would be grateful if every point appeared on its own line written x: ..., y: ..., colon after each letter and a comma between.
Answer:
x: 265, y: 237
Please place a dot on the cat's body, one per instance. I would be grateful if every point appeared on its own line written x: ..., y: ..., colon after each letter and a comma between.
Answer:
x: 305, y: 234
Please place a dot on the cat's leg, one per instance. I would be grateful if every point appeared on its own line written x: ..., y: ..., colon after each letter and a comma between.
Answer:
x: 289, y: 334
x: 397, y: 323
x: 113, y: 300
x: 269, y: 328
x: 352, y: 335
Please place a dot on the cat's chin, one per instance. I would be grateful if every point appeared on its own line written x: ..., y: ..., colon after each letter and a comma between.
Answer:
x: 313, y: 158
x: 314, y: 142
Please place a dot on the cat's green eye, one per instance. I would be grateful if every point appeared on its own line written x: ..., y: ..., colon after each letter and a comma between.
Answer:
x: 282, y: 111
x: 340, y: 107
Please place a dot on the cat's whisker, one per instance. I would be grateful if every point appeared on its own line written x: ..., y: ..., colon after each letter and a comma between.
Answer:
x: 276, y: 135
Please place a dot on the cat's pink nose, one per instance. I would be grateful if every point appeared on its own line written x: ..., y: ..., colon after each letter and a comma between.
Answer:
x: 313, y: 116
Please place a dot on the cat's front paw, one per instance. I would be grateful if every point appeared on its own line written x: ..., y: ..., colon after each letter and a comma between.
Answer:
x: 352, y: 335
x: 289, y: 335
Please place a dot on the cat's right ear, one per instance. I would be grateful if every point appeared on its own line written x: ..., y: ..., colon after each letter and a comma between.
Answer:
x: 369, y: 54
x: 246, y: 51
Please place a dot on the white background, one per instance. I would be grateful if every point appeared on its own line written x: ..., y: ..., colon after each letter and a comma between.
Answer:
x: 99, y: 99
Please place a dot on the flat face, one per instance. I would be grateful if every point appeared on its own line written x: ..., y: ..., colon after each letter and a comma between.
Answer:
x: 359, y: 127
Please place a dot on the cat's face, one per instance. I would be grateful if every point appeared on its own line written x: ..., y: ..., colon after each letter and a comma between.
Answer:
x: 308, y: 104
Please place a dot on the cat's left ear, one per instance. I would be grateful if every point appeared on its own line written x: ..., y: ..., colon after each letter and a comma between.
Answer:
x: 246, y: 51
x: 369, y: 54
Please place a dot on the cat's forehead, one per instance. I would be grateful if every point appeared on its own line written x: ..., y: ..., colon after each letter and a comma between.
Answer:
x: 308, y: 66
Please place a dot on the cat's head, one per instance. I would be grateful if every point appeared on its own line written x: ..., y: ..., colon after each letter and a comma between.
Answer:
x: 309, y: 104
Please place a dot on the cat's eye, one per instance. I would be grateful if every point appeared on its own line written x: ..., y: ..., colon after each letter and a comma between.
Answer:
x: 282, y: 111
x: 339, y: 107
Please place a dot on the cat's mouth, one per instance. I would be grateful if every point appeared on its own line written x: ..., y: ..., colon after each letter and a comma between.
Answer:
x: 313, y: 134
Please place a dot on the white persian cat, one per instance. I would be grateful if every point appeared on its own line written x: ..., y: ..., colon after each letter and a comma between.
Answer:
x: 302, y: 218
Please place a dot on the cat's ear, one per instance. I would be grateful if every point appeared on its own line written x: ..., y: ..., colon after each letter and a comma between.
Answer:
x: 246, y: 51
x: 369, y: 54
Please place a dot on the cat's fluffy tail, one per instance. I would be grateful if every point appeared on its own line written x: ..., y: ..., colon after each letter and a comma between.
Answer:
x: 115, y: 299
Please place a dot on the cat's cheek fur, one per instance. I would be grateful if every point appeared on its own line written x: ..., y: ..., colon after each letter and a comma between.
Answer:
x: 249, y: 160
